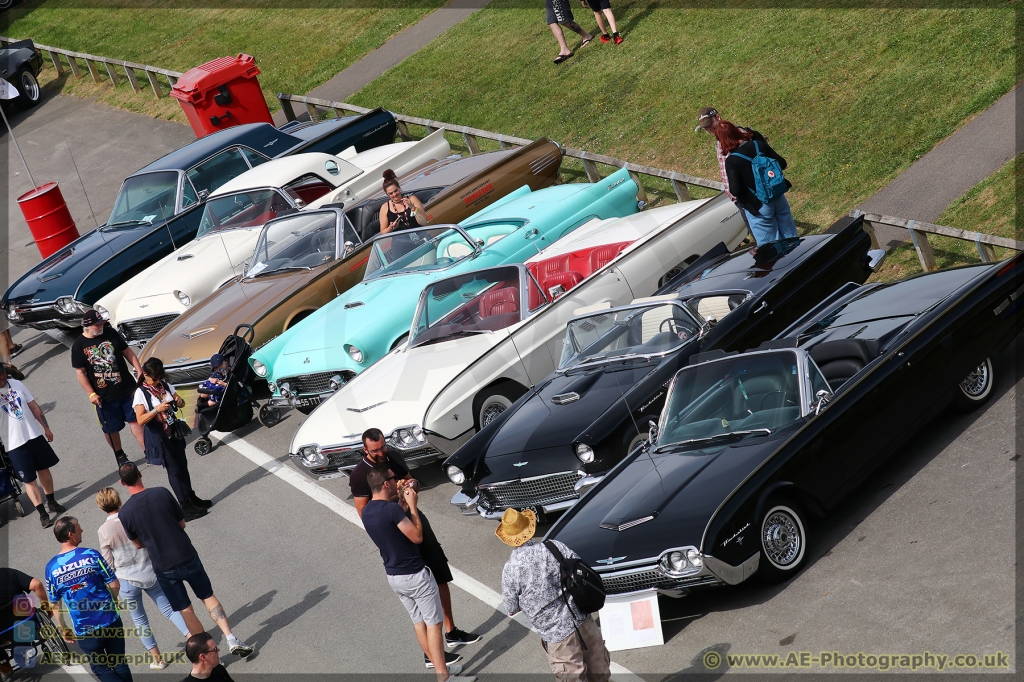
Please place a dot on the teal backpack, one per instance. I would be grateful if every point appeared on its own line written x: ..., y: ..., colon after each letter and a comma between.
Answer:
x: 769, y: 184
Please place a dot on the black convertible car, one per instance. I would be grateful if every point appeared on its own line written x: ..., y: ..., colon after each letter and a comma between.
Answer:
x: 616, y: 365
x: 20, y: 65
x: 750, y: 446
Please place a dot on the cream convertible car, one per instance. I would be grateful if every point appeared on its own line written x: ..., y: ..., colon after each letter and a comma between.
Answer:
x: 479, y: 339
x: 232, y: 220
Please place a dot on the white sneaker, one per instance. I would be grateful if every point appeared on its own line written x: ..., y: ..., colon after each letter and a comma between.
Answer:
x: 238, y: 647
x: 461, y: 678
x: 454, y: 669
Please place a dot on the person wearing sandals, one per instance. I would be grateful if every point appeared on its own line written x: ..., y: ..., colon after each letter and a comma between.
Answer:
x: 135, y: 572
x: 559, y: 12
x: 155, y: 403
x: 599, y: 6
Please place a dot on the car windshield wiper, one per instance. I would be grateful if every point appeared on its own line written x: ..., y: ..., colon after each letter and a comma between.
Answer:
x: 453, y: 335
x: 133, y: 221
x: 708, y: 439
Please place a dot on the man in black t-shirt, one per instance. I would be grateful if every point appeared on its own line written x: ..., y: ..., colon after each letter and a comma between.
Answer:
x: 100, y: 357
x: 376, y: 451
x: 15, y: 605
x: 204, y: 654
x: 154, y: 520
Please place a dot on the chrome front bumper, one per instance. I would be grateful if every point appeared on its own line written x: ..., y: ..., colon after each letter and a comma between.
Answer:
x: 470, y: 506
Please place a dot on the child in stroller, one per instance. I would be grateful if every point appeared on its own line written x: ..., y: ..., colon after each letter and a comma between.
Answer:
x: 212, y: 390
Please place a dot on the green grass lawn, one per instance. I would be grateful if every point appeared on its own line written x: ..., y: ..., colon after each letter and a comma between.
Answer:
x: 851, y: 97
x: 296, y: 49
x: 990, y: 207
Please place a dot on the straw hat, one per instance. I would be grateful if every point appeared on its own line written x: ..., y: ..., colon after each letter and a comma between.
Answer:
x: 516, y: 527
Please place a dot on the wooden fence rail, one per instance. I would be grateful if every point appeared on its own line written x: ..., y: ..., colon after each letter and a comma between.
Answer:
x: 681, y: 182
x: 919, y: 231
x: 80, y: 63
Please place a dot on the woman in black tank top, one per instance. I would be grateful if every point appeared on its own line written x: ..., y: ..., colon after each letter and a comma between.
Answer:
x: 400, y: 212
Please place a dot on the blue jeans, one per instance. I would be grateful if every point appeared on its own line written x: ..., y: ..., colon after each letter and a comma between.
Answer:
x: 773, y: 222
x: 132, y: 595
x: 102, y: 645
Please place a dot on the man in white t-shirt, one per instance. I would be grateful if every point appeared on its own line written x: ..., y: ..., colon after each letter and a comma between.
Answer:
x: 27, y: 437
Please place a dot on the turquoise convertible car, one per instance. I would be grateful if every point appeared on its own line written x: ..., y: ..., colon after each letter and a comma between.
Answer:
x: 317, y: 356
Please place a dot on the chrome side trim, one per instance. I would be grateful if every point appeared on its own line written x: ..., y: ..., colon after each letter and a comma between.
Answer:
x: 558, y: 506
x: 733, y: 575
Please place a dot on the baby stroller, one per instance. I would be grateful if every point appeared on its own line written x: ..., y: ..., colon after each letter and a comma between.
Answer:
x: 10, y: 487
x: 236, y: 404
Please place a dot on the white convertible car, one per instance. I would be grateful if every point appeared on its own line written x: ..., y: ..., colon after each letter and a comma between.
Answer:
x: 480, y: 339
x: 233, y: 217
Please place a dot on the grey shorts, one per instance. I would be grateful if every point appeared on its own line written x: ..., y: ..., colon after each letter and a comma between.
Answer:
x: 558, y: 11
x: 419, y: 596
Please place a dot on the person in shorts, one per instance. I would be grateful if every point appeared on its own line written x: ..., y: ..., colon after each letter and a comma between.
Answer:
x: 560, y: 14
x: 27, y: 437
x: 377, y: 451
x: 397, y: 536
x: 605, y: 7
x: 152, y: 519
x: 100, y: 357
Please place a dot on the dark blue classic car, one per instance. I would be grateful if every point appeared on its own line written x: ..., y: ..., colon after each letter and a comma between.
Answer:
x: 159, y: 207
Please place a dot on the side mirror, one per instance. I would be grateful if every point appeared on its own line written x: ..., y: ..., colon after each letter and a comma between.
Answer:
x: 204, y: 194
x: 348, y: 248
x: 709, y: 324
x: 652, y: 433
x: 299, y: 203
x: 821, y: 400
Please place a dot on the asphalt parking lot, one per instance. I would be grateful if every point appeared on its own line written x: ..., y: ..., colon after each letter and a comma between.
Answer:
x: 921, y: 558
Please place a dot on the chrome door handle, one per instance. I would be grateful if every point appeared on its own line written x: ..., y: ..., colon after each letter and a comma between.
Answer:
x: 764, y: 304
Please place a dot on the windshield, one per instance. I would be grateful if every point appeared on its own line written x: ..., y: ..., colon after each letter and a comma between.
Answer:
x: 146, y: 198
x: 245, y: 209
x: 732, y: 396
x: 425, y: 249
x: 218, y: 169
x: 613, y: 335
x: 474, y: 303
x: 302, y: 241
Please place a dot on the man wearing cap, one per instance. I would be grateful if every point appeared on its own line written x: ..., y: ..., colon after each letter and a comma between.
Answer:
x: 707, y: 120
x: 531, y: 583
x: 27, y: 436
x: 99, y: 357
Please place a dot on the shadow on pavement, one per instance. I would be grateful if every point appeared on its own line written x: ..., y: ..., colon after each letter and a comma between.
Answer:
x: 279, y: 620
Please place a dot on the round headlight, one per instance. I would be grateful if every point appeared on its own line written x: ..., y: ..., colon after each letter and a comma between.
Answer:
x: 455, y: 475
x: 311, y: 455
x: 405, y: 436
x: 183, y: 298
x: 355, y: 353
x: 12, y: 314
x: 67, y: 305
x: 272, y: 386
x: 336, y: 382
x: 585, y: 453
x: 693, y: 556
x: 104, y: 313
x: 417, y: 433
x: 677, y: 560
x: 259, y: 368
x: 286, y: 389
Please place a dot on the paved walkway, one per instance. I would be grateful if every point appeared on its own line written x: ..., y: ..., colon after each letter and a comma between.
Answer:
x: 949, y: 170
x: 394, y: 51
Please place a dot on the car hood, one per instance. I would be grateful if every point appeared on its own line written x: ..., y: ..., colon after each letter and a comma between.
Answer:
x: 394, y: 392
x: 681, y: 490
x: 539, y: 423
x: 63, y: 272
x: 238, y: 302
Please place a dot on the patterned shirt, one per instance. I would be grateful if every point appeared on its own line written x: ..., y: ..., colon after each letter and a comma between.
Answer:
x: 80, y: 577
x: 530, y: 583
x: 721, y: 169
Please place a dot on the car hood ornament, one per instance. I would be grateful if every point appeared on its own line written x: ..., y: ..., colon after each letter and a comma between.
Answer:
x: 610, y: 560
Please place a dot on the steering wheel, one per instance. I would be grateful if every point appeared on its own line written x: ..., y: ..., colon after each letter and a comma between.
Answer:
x: 674, y: 326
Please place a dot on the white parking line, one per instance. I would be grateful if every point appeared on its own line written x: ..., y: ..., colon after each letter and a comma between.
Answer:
x: 343, y: 509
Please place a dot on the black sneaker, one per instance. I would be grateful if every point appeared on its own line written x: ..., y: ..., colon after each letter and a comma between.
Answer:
x: 449, y: 659
x: 46, y: 520
x: 121, y: 458
x: 459, y: 637
x: 16, y: 348
x: 192, y: 512
x: 56, y: 507
x: 199, y: 502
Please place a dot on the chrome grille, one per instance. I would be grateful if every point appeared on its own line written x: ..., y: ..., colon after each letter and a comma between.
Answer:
x: 188, y: 374
x: 528, y: 492
x: 646, y: 580
x: 144, y: 328
x: 347, y: 457
x: 314, y: 384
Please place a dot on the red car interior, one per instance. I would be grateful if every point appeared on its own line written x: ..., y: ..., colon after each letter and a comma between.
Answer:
x: 569, y: 269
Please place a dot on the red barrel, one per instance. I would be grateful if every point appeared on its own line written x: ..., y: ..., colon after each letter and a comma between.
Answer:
x: 48, y: 217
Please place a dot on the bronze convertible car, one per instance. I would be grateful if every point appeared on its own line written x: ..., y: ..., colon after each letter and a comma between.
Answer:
x: 292, y: 276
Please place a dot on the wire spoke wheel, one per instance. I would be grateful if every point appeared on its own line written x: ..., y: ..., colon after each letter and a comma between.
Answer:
x: 491, y: 410
x: 976, y: 383
x: 783, y: 541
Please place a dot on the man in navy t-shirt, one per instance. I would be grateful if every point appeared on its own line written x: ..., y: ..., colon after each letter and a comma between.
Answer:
x: 397, y: 536
x: 82, y: 579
